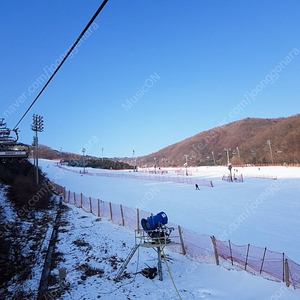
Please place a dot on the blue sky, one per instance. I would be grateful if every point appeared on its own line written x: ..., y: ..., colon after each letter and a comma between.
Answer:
x: 148, y: 73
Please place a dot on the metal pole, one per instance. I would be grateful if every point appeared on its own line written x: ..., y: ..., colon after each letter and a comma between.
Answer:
x: 37, y: 158
x: 159, y: 266
x: 227, y: 149
x: 269, y: 143
x: 37, y: 125
x: 186, y: 164
x: 83, y: 160
x: 213, y: 155
x: 238, y: 150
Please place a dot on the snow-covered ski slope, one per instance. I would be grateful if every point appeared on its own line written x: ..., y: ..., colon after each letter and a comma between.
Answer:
x: 259, y: 211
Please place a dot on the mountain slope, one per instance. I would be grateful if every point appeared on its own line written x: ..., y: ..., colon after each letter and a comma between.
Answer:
x: 247, y: 140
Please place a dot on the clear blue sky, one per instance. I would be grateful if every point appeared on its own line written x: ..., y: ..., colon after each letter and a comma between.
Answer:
x: 149, y: 73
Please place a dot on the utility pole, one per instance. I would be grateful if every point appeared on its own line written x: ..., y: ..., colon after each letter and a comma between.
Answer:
x: 238, y: 151
x: 83, y: 151
x: 213, y: 155
x: 60, y: 149
x: 37, y: 126
x: 102, y: 149
x: 186, y: 164
x: 134, y: 161
x: 227, y: 149
x: 269, y: 143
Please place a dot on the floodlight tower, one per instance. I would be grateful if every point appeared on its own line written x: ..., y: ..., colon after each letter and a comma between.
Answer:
x: 37, y: 126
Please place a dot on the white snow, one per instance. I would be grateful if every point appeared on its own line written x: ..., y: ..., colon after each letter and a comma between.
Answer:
x: 259, y: 211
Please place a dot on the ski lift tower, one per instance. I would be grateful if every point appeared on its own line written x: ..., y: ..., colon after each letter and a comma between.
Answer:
x: 156, y: 235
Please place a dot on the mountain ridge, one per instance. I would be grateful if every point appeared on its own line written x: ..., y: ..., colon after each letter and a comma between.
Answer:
x: 247, y: 141
x: 250, y: 140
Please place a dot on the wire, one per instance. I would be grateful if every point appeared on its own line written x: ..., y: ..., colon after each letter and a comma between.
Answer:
x: 64, y: 59
x: 165, y: 258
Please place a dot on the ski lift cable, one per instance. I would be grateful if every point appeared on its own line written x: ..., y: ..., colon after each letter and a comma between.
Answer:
x: 64, y: 59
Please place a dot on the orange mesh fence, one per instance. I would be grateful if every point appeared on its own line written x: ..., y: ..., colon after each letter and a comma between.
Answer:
x: 254, y: 259
x: 273, y: 265
x: 198, y: 247
x: 294, y: 273
x: 104, y: 210
x: 116, y: 214
x: 130, y: 217
x: 142, y: 176
x: 85, y: 203
x: 94, y: 209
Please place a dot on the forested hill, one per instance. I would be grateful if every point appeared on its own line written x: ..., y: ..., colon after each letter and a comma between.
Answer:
x: 250, y: 140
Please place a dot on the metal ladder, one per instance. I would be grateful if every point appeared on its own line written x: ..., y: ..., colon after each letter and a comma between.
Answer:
x: 127, y: 260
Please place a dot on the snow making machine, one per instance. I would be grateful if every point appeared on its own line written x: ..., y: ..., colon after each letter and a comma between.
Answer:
x: 156, y: 235
x: 9, y: 147
x: 156, y: 229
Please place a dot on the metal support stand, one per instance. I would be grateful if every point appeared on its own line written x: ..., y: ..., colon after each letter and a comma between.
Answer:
x: 147, y: 241
x: 127, y: 260
x: 159, y: 266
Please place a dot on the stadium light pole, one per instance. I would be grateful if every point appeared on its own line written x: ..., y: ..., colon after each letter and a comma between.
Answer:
x: 37, y: 126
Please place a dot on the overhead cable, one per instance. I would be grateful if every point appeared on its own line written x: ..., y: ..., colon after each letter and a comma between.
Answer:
x: 65, y: 58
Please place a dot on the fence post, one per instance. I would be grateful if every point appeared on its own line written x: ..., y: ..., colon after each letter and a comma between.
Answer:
x: 262, y: 263
x: 80, y: 199
x: 230, y: 252
x: 283, y: 266
x: 214, y: 241
x: 287, y: 273
x: 181, y: 240
x: 91, y: 209
x: 138, y: 218
x: 111, y: 213
x: 99, y: 215
x: 247, y: 256
x: 74, y: 198
x: 122, y: 215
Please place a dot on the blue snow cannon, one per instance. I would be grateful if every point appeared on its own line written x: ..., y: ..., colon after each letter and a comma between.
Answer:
x: 154, y: 222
